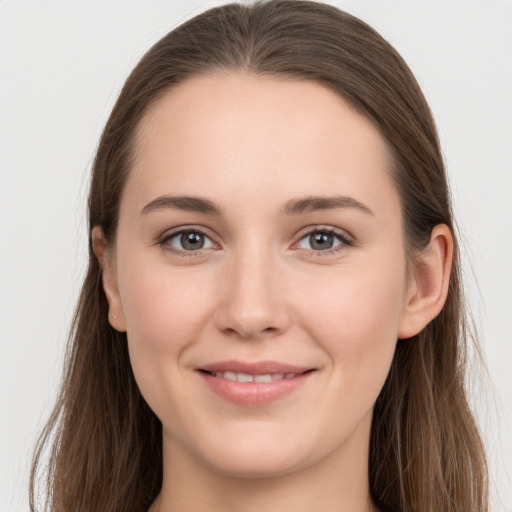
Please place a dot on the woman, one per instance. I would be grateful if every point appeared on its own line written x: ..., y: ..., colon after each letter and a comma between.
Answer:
x: 272, y: 316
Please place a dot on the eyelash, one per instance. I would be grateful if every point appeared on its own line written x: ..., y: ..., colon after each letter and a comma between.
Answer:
x: 345, y: 239
x: 163, y: 242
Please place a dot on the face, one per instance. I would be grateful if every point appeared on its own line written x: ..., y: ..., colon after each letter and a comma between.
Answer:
x: 259, y: 272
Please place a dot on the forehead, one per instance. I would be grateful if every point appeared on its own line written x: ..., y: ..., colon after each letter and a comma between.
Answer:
x: 244, y: 136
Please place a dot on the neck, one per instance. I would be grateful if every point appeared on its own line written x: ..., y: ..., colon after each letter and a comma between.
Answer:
x: 337, y: 483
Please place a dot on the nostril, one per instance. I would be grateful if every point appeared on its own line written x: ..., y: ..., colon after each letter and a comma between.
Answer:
x: 241, y: 316
x: 246, y: 332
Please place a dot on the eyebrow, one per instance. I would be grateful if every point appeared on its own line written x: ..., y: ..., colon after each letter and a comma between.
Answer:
x: 318, y: 203
x: 186, y: 203
x: 296, y: 206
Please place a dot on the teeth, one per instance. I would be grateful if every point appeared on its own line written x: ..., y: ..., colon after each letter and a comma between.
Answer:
x: 245, y: 377
x: 263, y: 378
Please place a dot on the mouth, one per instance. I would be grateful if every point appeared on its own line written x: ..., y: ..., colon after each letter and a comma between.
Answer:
x: 248, y: 377
x: 254, y: 384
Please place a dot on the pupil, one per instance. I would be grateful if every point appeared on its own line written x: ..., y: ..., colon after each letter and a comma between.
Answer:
x: 192, y: 241
x: 320, y: 240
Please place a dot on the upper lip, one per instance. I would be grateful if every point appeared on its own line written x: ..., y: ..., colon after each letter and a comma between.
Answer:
x: 256, y: 368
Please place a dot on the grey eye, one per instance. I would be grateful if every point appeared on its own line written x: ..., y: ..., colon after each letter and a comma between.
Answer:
x: 190, y: 240
x: 320, y: 241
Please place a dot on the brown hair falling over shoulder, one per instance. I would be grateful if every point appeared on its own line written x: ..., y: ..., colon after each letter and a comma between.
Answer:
x: 425, y: 450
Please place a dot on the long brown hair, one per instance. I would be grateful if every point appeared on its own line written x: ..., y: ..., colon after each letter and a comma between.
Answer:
x: 425, y: 450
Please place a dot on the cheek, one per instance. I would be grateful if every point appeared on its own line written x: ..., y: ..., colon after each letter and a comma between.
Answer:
x: 164, y: 315
x: 354, y: 316
x: 162, y: 308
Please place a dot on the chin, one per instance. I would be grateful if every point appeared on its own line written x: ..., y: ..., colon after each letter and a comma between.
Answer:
x: 257, y: 457
x: 256, y: 468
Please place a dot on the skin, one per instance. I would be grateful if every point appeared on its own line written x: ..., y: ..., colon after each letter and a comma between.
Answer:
x: 259, y: 290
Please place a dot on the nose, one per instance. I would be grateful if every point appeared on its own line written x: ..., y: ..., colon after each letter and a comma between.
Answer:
x: 253, y: 298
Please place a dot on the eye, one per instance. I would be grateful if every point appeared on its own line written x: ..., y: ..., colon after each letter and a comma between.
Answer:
x: 187, y: 240
x: 324, y: 240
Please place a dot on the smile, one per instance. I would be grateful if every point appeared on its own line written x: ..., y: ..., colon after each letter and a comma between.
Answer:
x: 246, y: 377
x: 254, y: 384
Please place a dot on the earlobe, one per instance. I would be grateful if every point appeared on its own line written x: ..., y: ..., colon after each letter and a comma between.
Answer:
x: 109, y: 280
x: 428, y: 288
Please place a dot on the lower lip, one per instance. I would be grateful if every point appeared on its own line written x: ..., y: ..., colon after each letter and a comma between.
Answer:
x: 254, y: 393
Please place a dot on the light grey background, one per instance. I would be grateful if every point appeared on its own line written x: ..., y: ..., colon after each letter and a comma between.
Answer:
x: 62, y: 65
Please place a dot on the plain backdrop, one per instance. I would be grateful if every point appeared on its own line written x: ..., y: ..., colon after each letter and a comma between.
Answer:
x: 62, y: 65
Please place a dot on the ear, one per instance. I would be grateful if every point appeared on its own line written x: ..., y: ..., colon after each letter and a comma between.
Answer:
x: 109, y: 279
x: 428, y: 286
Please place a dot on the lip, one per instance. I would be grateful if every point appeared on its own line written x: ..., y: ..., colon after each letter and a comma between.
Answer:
x: 254, y: 394
x: 257, y: 368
